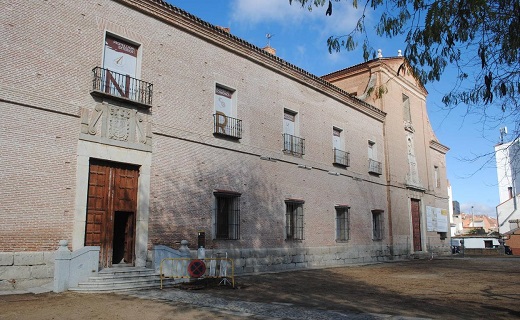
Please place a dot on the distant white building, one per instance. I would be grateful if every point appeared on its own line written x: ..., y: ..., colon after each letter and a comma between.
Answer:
x: 456, y: 227
x: 476, y: 242
x: 450, y: 210
x: 508, y: 168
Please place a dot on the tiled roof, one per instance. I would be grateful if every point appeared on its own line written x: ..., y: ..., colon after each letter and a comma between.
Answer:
x: 282, y: 64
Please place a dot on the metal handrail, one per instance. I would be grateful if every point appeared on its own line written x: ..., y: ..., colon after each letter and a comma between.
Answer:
x: 293, y: 144
x: 341, y: 157
x: 375, y: 166
x: 227, y: 126
x: 123, y: 86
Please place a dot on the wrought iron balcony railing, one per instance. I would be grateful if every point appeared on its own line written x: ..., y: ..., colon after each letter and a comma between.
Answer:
x: 374, y: 166
x: 341, y: 158
x: 121, y: 86
x: 227, y: 126
x: 293, y: 145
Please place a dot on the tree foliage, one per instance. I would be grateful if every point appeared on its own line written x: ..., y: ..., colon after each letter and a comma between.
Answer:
x: 479, y: 38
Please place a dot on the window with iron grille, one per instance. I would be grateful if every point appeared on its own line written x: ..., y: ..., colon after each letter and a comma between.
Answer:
x: 377, y: 225
x: 342, y: 223
x: 227, y: 215
x: 294, y: 219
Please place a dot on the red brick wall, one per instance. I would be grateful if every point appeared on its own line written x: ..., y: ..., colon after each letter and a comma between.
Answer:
x: 48, y: 78
x: 514, y: 243
x: 37, y: 153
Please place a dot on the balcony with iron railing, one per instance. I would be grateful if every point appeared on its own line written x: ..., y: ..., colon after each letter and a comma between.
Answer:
x: 226, y: 126
x: 341, y: 158
x: 122, y: 87
x: 293, y: 145
x: 375, y: 167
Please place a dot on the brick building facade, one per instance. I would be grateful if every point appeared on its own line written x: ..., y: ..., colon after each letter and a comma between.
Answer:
x: 114, y: 136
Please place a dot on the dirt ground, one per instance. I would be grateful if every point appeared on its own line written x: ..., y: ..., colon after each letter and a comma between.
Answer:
x: 469, y: 288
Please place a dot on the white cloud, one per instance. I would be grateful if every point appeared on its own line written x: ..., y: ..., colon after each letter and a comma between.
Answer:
x: 478, y: 209
x: 300, y: 34
x: 342, y: 20
x: 254, y: 11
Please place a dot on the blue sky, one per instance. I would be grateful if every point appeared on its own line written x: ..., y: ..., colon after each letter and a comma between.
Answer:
x: 300, y: 36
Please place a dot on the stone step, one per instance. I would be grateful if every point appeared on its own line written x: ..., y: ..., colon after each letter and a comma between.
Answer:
x: 123, y: 287
x: 128, y: 270
x: 116, y: 277
x: 121, y: 279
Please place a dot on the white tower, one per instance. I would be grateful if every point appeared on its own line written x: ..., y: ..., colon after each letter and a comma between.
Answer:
x: 507, y: 157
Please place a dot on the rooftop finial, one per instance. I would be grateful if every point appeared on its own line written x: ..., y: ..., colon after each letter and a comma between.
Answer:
x: 379, y: 53
x: 269, y: 36
x: 268, y: 48
x: 399, y: 54
x: 503, y: 133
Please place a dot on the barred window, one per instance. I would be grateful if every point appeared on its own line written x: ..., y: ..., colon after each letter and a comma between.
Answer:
x: 227, y: 215
x: 342, y: 223
x: 377, y: 225
x: 294, y: 219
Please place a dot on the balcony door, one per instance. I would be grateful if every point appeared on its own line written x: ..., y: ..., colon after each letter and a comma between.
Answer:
x: 223, y: 111
x: 111, y: 211
x: 289, y: 120
x: 291, y: 142
x: 120, y: 63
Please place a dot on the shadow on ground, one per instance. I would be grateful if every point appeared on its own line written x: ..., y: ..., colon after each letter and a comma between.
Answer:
x: 440, y: 288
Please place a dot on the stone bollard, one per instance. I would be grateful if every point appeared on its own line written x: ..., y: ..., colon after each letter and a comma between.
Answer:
x: 61, y: 267
x: 184, y: 250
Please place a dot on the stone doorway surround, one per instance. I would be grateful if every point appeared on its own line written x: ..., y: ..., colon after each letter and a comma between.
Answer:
x: 87, y: 150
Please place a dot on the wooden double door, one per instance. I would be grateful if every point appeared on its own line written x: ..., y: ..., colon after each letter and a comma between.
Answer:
x: 111, y: 211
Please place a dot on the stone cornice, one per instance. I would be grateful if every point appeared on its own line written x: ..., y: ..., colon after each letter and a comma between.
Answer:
x: 437, y: 146
x: 416, y: 86
x: 373, y: 64
x: 189, y: 23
